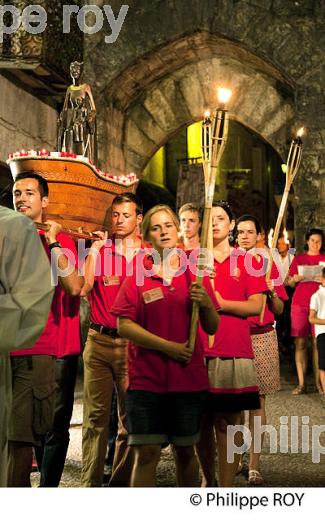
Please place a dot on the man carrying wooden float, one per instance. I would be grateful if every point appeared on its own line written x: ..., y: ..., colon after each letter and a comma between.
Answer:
x: 105, y: 354
x: 43, y: 378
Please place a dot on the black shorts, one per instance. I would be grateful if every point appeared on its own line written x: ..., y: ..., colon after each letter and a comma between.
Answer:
x: 155, y: 418
x: 321, y: 351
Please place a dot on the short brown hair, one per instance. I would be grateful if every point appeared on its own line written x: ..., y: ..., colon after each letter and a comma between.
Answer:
x: 128, y: 196
x: 190, y: 206
x: 42, y: 183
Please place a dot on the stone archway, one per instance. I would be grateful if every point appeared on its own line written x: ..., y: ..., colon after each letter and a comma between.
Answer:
x: 147, y: 109
x: 281, y: 40
x: 184, y: 95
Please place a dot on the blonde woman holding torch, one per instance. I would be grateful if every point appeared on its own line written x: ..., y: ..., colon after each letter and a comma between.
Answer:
x: 167, y: 384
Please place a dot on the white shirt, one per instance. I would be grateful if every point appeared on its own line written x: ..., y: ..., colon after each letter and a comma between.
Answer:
x: 283, y: 264
x: 317, y: 303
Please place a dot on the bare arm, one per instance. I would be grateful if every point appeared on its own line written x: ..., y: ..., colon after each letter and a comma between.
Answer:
x: 71, y: 282
x: 276, y: 304
x: 133, y: 331
x: 251, y: 307
x: 90, y: 264
x: 313, y: 318
x: 293, y: 280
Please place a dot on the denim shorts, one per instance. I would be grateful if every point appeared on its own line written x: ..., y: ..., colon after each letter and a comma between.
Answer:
x: 174, y: 417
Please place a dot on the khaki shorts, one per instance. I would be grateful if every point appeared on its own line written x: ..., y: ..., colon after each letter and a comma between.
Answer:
x: 33, y: 398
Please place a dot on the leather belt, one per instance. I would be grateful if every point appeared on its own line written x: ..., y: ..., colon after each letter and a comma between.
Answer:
x: 112, y: 333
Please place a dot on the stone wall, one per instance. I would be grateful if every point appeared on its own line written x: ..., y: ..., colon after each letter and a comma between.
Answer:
x: 25, y: 122
x: 160, y: 74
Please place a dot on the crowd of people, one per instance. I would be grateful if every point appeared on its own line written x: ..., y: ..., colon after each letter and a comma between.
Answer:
x: 140, y: 285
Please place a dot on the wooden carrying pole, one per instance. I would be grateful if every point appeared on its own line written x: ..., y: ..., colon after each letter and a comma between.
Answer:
x: 73, y: 233
x: 214, y: 140
x: 293, y: 162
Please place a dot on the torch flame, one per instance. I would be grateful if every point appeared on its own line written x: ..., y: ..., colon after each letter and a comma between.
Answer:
x: 224, y: 94
x: 286, y: 236
x: 300, y: 132
x: 269, y: 237
x: 207, y: 114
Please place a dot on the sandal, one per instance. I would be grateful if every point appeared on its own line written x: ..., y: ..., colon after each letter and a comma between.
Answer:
x: 240, y: 466
x: 318, y: 389
x: 255, y: 478
x: 299, y: 390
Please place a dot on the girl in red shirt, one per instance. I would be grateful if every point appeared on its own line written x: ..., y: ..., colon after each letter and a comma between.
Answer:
x: 232, y: 376
x: 167, y: 384
x: 301, y: 329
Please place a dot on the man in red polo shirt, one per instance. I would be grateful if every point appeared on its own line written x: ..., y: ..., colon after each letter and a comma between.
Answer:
x: 33, y: 371
x: 105, y: 354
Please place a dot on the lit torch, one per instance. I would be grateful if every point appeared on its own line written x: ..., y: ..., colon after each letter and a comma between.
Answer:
x: 213, y: 140
x: 293, y: 162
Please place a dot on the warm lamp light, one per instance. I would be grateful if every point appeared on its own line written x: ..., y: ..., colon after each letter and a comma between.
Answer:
x: 224, y: 94
x: 300, y: 132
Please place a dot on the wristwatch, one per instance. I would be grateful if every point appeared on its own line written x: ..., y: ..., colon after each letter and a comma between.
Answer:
x: 54, y: 244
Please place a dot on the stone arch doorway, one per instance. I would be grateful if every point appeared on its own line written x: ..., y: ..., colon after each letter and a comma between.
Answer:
x: 147, y: 110
x: 281, y: 41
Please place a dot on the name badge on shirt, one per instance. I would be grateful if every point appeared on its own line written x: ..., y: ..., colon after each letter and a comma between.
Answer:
x: 111, y: 280
x: 153, y: 295
x: 236, y: 273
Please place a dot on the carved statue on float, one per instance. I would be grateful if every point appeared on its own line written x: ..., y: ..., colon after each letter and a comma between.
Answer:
x: 81, y: 193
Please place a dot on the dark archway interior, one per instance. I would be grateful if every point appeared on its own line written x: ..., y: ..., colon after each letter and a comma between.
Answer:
x: 251, y: 176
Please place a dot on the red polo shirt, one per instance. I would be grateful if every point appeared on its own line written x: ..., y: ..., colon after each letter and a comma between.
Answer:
x: 111, y: 268
x: 304, y: 290
x: 254, y: 321
x: 69, y: 330
x: 233, y: 282
x: 166, y: 312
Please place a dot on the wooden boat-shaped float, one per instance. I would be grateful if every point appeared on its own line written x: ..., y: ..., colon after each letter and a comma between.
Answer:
x: 80, y: 194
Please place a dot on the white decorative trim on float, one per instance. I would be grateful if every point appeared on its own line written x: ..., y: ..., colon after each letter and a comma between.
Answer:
x: 122, y: 180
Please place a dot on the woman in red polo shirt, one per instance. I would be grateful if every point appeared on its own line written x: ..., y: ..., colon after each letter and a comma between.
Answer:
x: 232, y: 376
x: 304, y: 287
x: 167, y: 384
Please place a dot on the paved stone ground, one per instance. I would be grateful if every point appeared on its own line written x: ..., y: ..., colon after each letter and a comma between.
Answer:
x: 279, y: 469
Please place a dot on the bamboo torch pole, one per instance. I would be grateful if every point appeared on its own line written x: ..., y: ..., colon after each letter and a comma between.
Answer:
x: 293, y: 162
x: 214, y: 138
